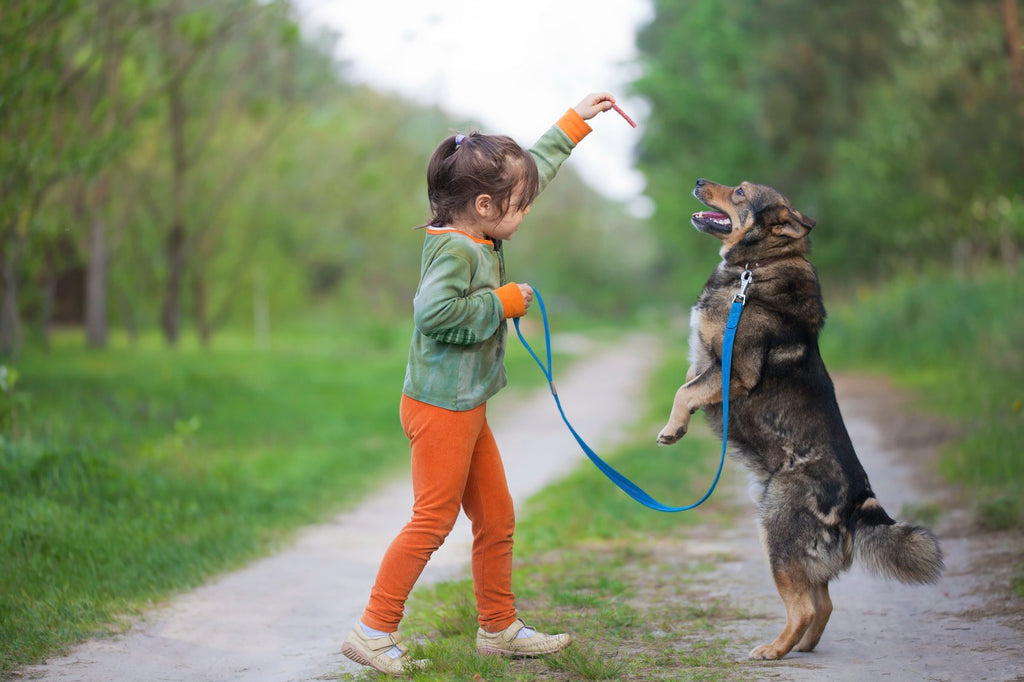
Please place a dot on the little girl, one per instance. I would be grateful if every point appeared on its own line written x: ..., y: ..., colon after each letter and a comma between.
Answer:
x: 480, y: 188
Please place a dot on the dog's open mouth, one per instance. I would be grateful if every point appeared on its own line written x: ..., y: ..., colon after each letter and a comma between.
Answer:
x: 712, y: 221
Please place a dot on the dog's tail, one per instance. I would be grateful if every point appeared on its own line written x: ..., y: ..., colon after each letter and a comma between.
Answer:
x: 892, y: 549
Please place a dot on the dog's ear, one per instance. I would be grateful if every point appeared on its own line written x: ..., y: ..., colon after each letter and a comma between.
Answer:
x: 793, y: 223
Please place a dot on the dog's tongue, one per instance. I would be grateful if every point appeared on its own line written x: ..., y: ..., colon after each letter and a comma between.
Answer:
x: 710, y: 215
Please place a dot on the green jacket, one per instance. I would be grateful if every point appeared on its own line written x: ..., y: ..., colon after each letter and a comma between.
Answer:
x: 456, y: 359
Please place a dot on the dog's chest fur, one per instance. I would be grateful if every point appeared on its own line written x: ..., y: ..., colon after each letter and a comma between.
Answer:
x: 787, y: 420
x: 783, y: 314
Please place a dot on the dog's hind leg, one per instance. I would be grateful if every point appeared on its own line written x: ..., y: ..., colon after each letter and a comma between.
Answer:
x: 796, y: 591
x: 822, y: 611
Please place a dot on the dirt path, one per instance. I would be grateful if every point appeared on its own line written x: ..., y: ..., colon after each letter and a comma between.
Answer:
x: 967, y: 627
x: 282, y: 619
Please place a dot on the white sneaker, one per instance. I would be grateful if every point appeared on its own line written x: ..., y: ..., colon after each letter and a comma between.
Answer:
x: 506, y: 642
x: 373, y: 651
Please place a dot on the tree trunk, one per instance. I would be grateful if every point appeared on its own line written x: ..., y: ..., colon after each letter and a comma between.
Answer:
x: 97, y: 269
x: 49, y: 294
x: 171, y: 316
x: 199, y: 305
x: 10, y: 317
x: 96, y: 285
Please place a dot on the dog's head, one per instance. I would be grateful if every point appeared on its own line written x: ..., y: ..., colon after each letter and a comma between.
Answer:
x: 753, y: 221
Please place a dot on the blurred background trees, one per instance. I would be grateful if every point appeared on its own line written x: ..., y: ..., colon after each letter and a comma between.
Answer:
x: 185, y: 166
x: 899, y: 126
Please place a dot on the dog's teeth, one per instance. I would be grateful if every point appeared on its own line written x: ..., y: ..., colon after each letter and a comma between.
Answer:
x: 714, y: 217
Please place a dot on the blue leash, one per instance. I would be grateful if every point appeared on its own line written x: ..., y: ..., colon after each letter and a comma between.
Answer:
x: 630, y: 488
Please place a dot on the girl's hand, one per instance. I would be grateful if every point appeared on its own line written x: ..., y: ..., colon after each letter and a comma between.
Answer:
x: 527, y: 292
x: 593, y: 104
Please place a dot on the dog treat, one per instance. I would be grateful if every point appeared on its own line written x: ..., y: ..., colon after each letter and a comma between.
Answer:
x: 623, y: 114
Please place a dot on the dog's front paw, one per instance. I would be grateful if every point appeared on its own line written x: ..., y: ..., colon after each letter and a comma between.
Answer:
x: 765, y: 652
x: 670, y: 435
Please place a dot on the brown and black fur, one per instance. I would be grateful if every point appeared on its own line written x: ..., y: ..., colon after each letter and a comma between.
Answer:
x: 817, y: 509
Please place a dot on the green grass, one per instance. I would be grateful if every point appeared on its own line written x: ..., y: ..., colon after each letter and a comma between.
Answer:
x: 138, y: 471
x: 133, y: 472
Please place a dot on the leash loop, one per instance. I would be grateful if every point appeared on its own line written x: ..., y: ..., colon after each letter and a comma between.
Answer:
x: 624, y: 483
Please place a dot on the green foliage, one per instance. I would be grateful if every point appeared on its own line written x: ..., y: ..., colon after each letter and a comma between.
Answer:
x: 925, y: 514
x: 1003, y: 513
x: 30, y: 82
x: 894, y: 124
x: 10, y: 400
x: 213, y: 152
x: 696, y: 79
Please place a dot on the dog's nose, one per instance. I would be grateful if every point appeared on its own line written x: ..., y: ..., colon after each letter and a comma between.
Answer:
x: 701, y: 182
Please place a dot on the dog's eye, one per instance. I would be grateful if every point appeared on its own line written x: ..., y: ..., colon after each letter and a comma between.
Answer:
x: 739, y: 191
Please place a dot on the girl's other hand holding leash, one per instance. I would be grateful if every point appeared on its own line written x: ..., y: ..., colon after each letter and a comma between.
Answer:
x: 527, y: 292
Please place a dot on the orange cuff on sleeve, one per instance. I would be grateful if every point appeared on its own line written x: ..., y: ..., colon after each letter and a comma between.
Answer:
x: 511, y: 300
x: 573, y: 125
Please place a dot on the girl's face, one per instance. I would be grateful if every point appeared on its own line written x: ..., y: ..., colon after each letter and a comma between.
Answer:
x: 507, y: 226
x: 503, y: 227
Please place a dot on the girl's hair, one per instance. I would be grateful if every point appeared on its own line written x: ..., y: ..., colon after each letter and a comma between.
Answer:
x: 466, y: 166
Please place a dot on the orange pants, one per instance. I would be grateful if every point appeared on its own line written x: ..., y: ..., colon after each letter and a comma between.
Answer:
x: 455, y: 463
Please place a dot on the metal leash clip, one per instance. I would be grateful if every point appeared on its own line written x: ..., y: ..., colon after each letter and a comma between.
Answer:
x: 745, y: 279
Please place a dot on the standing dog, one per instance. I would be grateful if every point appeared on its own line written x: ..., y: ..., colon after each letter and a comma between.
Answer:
x: 817, y: 509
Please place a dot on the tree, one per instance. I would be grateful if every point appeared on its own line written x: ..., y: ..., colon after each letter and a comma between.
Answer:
x: 200, y: 92
x: 896, y: 125
x: 34, y: 156
x: 158, y: 159
x: 106, y: 103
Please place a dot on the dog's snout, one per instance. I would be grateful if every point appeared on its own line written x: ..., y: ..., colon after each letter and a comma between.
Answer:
x: 701, y: 188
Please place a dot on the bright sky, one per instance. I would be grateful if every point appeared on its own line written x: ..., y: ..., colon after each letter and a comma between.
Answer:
x: 514, y: 66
